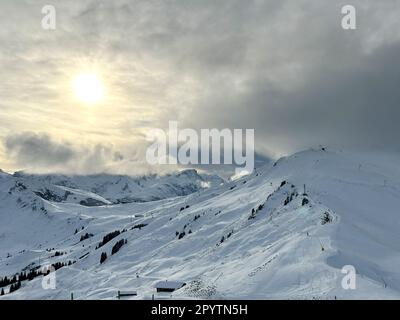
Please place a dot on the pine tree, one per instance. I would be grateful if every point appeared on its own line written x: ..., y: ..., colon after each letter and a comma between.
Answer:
x: 2, y: 292
x: 103, y: 257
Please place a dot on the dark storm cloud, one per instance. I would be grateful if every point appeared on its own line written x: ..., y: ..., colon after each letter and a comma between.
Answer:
x: 310, y: 82
x: 348, y: 104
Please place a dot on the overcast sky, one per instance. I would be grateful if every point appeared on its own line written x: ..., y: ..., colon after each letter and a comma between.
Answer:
x: 285, y: 68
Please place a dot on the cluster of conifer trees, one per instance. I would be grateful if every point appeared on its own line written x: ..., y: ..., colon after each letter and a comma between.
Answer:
x: 114, y: 249
x: 16, y: 280
x: 118, y: 245
x: 108, y: 237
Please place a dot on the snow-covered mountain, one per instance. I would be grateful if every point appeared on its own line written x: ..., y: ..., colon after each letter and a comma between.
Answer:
x: 125, y: 189
x: 285, y: 231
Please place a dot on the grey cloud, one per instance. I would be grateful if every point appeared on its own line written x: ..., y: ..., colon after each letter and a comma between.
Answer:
x: 354, y: 103
x: 40, y: 152
x: 316, y: 84
x: 30, y: 148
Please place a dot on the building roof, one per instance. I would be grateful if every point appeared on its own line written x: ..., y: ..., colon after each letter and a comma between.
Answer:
x: 127, y: 293
x: 169, y: 284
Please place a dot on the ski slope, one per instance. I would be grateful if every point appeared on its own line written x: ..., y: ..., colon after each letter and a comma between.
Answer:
x: 283, y: 232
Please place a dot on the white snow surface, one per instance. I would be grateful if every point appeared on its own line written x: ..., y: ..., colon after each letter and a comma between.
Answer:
x: 209, y: 238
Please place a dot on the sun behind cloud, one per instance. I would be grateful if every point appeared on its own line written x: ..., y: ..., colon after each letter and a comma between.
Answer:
x: 88, y: 88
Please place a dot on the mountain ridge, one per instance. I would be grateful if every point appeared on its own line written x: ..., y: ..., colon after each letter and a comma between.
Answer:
x: 285, y: 231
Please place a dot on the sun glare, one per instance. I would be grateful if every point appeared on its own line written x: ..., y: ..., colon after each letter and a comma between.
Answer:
x: 88, y: 88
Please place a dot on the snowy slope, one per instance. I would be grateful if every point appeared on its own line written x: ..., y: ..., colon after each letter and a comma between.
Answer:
x: 262, y: 236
